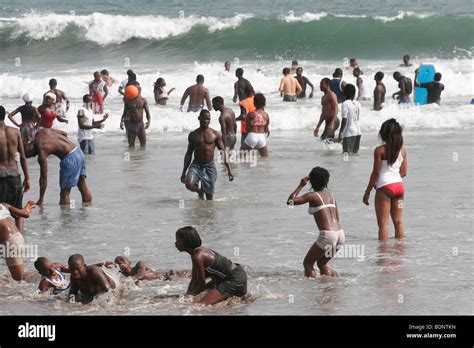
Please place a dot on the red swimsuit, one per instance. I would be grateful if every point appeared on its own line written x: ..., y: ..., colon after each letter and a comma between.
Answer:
x: 47, y: 119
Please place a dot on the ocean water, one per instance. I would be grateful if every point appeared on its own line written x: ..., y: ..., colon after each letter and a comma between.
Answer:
x: 139, y: 201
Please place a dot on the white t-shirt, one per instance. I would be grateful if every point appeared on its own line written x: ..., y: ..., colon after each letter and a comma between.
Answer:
x: 86, y: 134
x: 350, y: 110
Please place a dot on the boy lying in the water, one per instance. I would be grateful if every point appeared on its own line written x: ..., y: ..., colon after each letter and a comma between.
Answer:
x: 141, y: 272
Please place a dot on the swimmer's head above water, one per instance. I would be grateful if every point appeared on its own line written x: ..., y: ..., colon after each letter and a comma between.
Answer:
x: 77, y: 266
x: 123, y: 263
x: 43, y: 266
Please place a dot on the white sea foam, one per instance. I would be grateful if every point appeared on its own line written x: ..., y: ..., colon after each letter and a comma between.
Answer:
x: 454, y: 113
x: 107, y: 29
x: 311, y: 17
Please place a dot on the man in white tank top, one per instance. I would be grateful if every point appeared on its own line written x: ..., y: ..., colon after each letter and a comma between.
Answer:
x: 85, y: 122
x: 362, y: 85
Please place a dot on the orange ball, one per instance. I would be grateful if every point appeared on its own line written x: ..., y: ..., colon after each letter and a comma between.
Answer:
x: 131, y: 92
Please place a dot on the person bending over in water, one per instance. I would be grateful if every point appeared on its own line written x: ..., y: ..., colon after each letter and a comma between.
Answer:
x: 72, y: 166
x: 11, y: 236
x: 322, y: 205
x: 390, y: 166
x: 88, y: 280
x: 228, y: 278
x: 142, y: 272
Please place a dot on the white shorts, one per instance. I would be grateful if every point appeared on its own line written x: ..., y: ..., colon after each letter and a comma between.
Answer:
x: 256, y: 140
x: 331, y: 240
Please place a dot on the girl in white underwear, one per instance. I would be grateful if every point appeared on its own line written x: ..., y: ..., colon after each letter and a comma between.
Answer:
x: 322, y: 205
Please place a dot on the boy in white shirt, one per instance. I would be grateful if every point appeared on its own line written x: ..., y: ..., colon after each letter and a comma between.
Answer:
x: 349, y: 132
x: 85, y: 122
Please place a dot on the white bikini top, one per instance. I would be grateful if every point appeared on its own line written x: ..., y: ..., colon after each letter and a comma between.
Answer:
x: 314, y: 210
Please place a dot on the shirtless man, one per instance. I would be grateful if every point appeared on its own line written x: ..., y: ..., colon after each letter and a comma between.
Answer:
x: 72, y: 167
x: 227, y: 66
x: 329, y: 111
x: 289, y: 86
x: 88, y: 280
x: 303, y: 81
x: 11, y: 151
x: 379, y: 91
x: 203, y: 142
x: 11, y: 237
x: 60, y: 96
x: 133, y: 111
x: 241, y: 86
x: 405, y: 85
x: 109, y: 80
x: 227, y: 122
x: 197, y: 94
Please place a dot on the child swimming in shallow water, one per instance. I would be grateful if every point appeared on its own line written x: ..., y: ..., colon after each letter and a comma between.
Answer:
x: 141, y: 272
x: 53, y: 275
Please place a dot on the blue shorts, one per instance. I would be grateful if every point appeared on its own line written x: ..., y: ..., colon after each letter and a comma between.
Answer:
x: 204, y: 173
x: 87, y: 146
x: 71, y: 168
x: 194, y: 108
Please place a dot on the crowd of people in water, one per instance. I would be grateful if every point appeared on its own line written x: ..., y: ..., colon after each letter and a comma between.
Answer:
x: 35, y: 136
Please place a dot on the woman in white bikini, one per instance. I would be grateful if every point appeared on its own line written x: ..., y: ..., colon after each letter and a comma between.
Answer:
x: 322, y: 205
